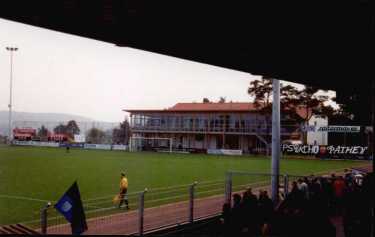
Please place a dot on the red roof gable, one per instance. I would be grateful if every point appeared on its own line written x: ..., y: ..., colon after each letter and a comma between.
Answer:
x: 214, y: 107
x: 24, y: 130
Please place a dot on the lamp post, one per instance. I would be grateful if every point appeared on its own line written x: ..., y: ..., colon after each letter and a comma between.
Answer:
x: 11, y: 50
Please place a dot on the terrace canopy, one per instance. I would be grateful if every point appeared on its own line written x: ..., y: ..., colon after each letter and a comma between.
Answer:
x: 325, y: 43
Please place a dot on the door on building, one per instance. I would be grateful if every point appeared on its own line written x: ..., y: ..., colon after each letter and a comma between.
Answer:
x: 232, y: 142
x: 219, y: 142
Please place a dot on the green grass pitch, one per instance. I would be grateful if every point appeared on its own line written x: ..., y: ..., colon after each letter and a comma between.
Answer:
x: 46, y: 173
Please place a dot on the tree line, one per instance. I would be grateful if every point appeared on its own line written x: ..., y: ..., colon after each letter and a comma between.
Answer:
x: 118, y: 135
x: 296, y: 104
x: 308, y: 98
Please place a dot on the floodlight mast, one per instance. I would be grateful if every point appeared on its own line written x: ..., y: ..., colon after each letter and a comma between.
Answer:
x: 11, y: 50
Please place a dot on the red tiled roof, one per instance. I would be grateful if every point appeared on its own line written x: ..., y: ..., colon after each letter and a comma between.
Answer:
x: 24, y: 130
x: 213, y: 107
x: 243, y: 107
x: 203, y: 107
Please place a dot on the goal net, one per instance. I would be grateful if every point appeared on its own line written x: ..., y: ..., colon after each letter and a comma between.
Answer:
x: 150, y: 144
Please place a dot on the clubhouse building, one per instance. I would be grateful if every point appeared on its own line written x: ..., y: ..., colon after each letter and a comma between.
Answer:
x: 202, y: 126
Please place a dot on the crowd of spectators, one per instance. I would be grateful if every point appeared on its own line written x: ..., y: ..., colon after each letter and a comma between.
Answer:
x: 307, y: 210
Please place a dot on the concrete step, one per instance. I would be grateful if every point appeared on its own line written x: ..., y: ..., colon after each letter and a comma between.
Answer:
x: 17, y: 229
x: 30, y: 231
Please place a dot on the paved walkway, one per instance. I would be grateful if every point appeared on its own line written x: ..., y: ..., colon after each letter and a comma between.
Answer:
x: 127, y: 223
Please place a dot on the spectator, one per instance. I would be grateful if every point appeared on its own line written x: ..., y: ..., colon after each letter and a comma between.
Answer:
x: 279, y: 224
x: 333, y: 199
x: 367, y: 204
x: 265, y: 206
x: 303, y: 187
x: 246, y: 212
x: 356, y: 208
x: 295, y: 197
x: 236, y: 215
x: 308, y: 182
x: 316, y: 189
x: 250, y: 206
x: 288, y: 219
x: 226, y: 219
x: 328, y: 193
x: 245, y: 198
x: 294, y: 187
x: 358, y: 178
x: 305, y: 211
x: 348, y: 176
x: 338, y: 187
x: 67, y: 147
x: 253, y: 197
x: 350, y: 210
x: 333, y: 177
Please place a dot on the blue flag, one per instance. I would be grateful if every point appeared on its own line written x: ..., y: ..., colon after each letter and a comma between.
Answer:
x: 70, y: 206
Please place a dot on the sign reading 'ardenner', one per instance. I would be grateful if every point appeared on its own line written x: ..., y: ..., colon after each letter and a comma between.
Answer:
x: 338, y: 129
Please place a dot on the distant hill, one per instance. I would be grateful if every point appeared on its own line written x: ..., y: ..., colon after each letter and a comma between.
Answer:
x: 41, y: 117
x: 50, y: 120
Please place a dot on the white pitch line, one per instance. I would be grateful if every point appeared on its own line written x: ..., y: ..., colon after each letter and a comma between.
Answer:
x: 36, y: 199
x: 23, y: 198
x: 89, y: 205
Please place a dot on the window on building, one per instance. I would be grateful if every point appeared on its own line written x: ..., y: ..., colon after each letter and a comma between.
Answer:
x: 199, y: 137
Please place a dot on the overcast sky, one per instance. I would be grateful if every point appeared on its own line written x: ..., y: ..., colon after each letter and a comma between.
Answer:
x: 62, y: 73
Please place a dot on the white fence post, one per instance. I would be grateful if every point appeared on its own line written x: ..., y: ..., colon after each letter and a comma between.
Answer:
x: 191, y: 203
x: 286, y: 185
x: 44, y: 218
x: 228, y: 187
x: 141, y: 211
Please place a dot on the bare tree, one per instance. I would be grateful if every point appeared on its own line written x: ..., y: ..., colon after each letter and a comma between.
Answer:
x: 222, y: 99
x: 121, y: 135
x: 95, y: 136
x: 206, y: 100
x: 43, y: 133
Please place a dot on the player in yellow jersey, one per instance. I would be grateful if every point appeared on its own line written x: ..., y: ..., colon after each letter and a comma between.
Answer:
x: 123, y: 191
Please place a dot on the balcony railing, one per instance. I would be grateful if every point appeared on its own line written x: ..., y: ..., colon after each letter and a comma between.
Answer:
x: 286, y: 129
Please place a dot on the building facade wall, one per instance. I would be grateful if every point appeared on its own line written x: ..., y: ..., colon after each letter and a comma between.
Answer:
x: 246, y: 143
x: 317, y: 138
x: 208, y: 130
x: 204, y: 122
